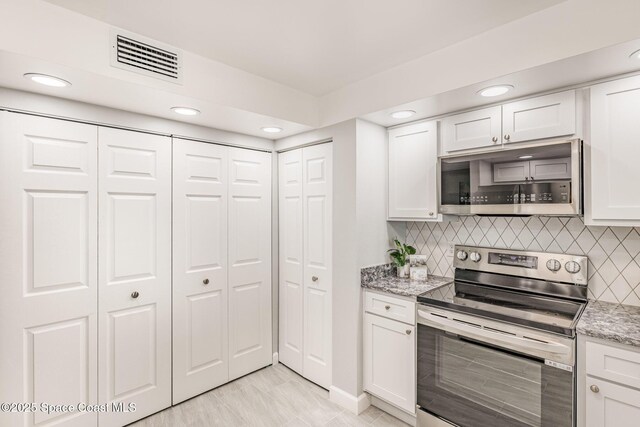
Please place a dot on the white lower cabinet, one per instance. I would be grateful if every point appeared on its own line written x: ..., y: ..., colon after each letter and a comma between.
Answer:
x: 390, y: 360
x: 134, y: 280
x: 608, y: 384
x: 612, y: 405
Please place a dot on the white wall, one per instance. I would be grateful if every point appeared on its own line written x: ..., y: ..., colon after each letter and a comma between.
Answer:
x: 561, y: 31
x: 66, y: 109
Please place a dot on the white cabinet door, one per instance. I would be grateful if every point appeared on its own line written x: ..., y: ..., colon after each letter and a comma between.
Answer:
x: 249, y: 261
x: 549, y: 169
x: 475, y: 129
x: 200, y: 352
x: 413, y: 161
x: 291, y: 295
x: 134, y: 273
x: 389, y: 361
x: 48, y: 279
x: 615, y: 131
x: 511, y: 171
x: 317, y: 275
x: 612, y: 405
x: 541, y: 117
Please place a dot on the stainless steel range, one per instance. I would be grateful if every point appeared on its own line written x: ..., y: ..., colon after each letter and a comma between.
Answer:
x: 497, y: 346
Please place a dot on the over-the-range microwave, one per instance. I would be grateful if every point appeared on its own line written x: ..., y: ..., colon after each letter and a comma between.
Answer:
x: 543, y: 178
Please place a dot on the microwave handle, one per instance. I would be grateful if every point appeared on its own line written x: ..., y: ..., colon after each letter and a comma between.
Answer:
x: 513, y: 341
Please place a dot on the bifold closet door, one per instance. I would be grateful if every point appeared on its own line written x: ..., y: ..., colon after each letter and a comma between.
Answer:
x: 291, y: 295
x: 48, y: 279
x: 249, y: 261
x: 200, y: 327
x: 317, y: 274
x: 134, y: 274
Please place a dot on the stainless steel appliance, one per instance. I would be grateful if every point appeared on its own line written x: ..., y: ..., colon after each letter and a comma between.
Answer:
x: 519, y: 179
x: 497, y: 346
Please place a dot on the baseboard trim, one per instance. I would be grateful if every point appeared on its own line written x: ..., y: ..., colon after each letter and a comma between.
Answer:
x: 275, y: 358
x: 392, y: 410
x: 353, y: 404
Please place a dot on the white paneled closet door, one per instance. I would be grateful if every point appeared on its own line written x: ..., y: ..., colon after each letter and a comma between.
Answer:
x: 291, y: 290
x: 200, y: 351
x: 317, y: 274
x: 134, y: 273
x: 48, y: 279
x: 249, y: 261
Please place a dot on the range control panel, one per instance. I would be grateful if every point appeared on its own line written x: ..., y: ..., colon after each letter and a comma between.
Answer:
x: 538, y: 265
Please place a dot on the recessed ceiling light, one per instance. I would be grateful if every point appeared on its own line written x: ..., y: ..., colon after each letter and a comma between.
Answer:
x: 272, y: 129
x: 185, y: 111
x: 403, y: 114
x: 635, y: 55
x: 525, y: 157
x: 46, y: 80
x: 495, y: 90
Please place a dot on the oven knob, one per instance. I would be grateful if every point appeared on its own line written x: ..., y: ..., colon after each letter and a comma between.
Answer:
x: 572, y: 267
x: 462, y: 255
x: 554, y: 265
x: 475, y: 256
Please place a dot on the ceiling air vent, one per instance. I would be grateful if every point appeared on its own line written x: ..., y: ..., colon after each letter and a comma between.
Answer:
x: 144, y: 56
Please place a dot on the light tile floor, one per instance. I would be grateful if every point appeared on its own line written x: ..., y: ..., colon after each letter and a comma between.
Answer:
x: 273, y: 396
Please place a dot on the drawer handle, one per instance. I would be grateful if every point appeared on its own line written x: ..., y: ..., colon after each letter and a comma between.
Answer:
x: 507, y: 137
x: 135, y: 294
x: 430, y: 213
x: 205, y: 282
x: 494, y: 139
x: 408, y: 331
x: 314, y: 278
x: 387, y: 307
x: 594, y: 388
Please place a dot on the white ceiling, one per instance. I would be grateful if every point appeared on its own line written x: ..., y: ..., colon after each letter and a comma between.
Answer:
x: 314, y: 46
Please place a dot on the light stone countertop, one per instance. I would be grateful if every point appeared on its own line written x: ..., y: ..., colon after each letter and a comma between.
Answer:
x: 382, y: 278
x: 613, y: 322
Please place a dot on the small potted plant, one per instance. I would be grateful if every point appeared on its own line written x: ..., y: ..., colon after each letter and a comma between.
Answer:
x: 400, y: 256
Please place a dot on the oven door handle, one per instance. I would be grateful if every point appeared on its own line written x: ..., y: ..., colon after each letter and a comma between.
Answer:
x: 479, y: 333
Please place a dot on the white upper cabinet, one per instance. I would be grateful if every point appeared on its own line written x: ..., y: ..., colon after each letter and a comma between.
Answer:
x: 413, y: 160
x: 611, y: 179
x: 475, y: 129
x: 542, y: 117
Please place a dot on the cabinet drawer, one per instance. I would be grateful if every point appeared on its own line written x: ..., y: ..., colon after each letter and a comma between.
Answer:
x: 613, y: 363
x: 610, y: 405
x: 390, y: 307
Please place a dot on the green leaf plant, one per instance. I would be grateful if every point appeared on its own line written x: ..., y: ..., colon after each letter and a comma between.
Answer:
x: 400, y: 254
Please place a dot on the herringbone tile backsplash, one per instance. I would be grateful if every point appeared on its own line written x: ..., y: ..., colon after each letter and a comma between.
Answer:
x: 614, y: 252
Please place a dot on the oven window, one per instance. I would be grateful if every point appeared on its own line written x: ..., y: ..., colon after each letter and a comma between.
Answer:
x: 472, y: 384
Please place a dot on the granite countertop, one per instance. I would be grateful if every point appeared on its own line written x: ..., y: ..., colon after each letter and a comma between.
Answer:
x: 383, y: 278
x: 613, y: 322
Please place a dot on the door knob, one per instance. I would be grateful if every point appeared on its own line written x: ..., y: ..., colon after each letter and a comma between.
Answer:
x: 135, y: 294
x: 594, y: 388
x: 387, y: 307
x: 408, y: 331
x: 314, y: 278
x: 494, y: 139
x: 205, y: 281
x: 507, y: 137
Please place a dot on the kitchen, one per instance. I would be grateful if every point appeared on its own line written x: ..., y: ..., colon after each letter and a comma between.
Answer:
x: 320, y: 213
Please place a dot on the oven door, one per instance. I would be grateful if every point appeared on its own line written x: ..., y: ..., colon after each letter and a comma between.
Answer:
x: 470, y: 380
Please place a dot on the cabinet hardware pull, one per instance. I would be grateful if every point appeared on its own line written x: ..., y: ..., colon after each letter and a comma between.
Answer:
x: 494, y: 139
x: 408, y: 331
x: 314, y: 278
x: 205, y: 281
x: 135, y: 294
x: 387, y: 307
x: 594, y: 388
x: 430, y: 213
x: 531, y: 178
x: 507, y: 137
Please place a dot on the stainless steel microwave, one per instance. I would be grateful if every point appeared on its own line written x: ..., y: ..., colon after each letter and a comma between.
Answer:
x: 543, y: 178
